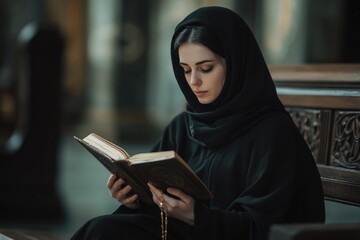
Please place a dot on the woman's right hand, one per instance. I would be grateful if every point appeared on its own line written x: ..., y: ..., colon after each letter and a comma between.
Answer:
x: 122, y: 192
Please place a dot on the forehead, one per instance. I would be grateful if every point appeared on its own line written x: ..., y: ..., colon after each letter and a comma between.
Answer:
x: 194, y: 52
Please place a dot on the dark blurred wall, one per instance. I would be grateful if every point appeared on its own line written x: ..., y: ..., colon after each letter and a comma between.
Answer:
x: 132, y: 75
x: 333, y: 33
x: 350, y: 47
x: 296, y: 32
x: 28, y: 156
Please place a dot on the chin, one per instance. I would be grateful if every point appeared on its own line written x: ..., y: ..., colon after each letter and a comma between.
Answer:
x: 202, y: 101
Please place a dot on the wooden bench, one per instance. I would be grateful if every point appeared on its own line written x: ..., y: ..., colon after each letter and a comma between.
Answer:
x: 28, y: 234
x: 324, y: 101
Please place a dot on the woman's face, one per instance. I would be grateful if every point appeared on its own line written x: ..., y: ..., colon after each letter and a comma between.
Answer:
x: 204, y: 71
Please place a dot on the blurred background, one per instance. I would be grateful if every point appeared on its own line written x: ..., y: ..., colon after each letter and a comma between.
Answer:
x: 72, y: 67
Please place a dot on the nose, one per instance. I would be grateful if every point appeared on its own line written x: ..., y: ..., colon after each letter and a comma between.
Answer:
x: 195, y: 78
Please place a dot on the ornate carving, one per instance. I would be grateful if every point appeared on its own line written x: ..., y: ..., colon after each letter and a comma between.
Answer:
x: 308, y: 122
x: 345, y: 147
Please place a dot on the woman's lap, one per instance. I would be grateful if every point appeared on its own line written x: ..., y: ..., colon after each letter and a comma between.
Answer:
x: 120, y: 226
x: 130, y: 226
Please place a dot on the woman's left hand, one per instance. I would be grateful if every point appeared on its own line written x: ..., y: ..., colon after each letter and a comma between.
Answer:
x: 181, y: 208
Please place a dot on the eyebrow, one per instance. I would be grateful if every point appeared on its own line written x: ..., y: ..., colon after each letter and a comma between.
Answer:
x: 198, y: 63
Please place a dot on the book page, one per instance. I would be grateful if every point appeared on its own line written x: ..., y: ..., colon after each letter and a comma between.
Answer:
x: 120, y: 167
x: 151, y: 157
x: 109, y: 148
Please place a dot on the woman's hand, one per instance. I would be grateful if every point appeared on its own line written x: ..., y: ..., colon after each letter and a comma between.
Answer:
x: 181, y: 208
x: 122, y: 192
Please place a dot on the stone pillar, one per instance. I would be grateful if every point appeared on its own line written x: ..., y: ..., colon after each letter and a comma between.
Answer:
x: 283, y: 33
x: 103, y: 58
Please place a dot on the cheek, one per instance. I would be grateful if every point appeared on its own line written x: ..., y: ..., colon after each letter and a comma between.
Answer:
x: 187, y: 78
x: 221, y: 78
x: 222, y: 81
x: 221, y: 85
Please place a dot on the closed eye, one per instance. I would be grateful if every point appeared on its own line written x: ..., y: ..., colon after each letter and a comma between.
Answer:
x: 187, y: 71
x: 206, y: 70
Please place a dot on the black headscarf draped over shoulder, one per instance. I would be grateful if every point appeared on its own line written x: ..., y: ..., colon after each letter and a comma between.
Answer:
x: 248, y: 93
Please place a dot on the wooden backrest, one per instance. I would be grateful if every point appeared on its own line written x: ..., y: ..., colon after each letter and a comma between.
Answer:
x: 324, y: 101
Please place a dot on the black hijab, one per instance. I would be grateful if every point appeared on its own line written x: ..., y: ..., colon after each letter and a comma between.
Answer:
x: 248, y: 94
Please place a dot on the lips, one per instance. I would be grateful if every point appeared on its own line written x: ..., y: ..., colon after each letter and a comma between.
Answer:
x: 200, y: 93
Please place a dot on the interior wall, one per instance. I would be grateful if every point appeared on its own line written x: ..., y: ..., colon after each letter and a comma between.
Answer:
x: 305, y: 31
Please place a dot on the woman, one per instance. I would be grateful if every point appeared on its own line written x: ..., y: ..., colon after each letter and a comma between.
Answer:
x: 237, y: 137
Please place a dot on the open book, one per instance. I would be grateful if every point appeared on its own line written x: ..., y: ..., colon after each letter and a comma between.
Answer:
x: 162, y: 169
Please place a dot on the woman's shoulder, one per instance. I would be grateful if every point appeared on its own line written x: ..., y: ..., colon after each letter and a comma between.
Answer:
x: 178, y: 119
x: 275, y: 131
x: 277, y: 119
x: 178, y: 122
x: 277, y: 125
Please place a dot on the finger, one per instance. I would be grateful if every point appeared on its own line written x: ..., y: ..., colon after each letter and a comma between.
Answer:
x: 111, y: 180
x: 157, y: 194
x: 177, y: 193
x: 119, y: 184
x: 130, y: 200
x: 126, y: 190
x: 123, y: 193
x: 156, y: 191
x: 117, y: 187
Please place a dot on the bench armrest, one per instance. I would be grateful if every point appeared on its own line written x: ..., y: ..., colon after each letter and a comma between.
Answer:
x: 346, y: 231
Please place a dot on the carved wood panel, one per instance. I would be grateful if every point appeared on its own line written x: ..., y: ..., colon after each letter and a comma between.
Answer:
x: 308, y: 122
x: 334, y: 139
x: 345, y: 144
